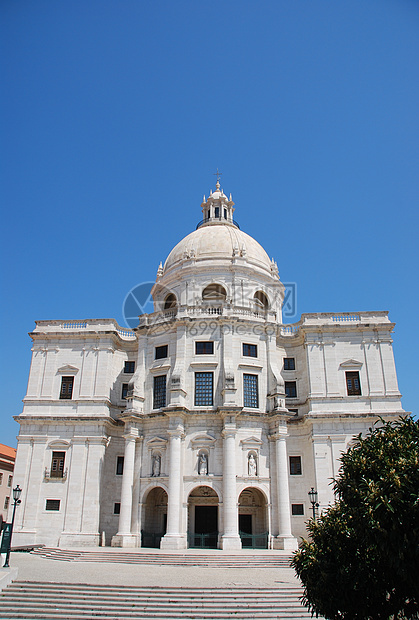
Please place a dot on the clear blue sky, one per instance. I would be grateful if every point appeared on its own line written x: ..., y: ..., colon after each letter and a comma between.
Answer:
x: 116, y: 113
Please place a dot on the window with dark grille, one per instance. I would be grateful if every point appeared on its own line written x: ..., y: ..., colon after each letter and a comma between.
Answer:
x: 1, y: 478
x: 161, y: 352
x: 129, y: 368
x: 204, y: 348
x: 9, y: 481
x: 66, y: 387
x: 297, y: 510
x: 52, y: 504
x: 352, y: 384
x: 57, y: 464
x: 291, y: 389
x: 119, y: 465
x: 295, y: 466
x: 124, y: 391
x: 6, y: 503
x: 250, y: 350
x: 117, y: 508
x: 159, y: 392
x: 204, y: 382
x: 250, y: 391
x: 289, y: 363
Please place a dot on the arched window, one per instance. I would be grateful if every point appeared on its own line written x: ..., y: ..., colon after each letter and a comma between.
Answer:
x: 261, y: 300
x: 214, y: 292
x: 170, y: 301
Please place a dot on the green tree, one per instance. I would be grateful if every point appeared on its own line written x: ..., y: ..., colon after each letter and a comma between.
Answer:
x: 362, y: 560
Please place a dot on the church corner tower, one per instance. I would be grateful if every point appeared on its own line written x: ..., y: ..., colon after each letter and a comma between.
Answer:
x: 206, y: 425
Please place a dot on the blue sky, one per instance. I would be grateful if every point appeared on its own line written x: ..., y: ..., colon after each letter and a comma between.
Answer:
x: 116, y: 113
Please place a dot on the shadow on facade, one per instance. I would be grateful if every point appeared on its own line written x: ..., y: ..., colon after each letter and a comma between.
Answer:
x: 154, y: 518
x: 253, y: 519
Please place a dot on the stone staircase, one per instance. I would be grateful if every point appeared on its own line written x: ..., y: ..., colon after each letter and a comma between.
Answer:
x: 59, y: 601
x: 215, y: 560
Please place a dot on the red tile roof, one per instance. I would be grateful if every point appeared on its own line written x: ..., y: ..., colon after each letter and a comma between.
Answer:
x: 7, y: 451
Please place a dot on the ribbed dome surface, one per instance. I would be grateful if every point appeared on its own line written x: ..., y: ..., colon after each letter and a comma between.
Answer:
x: 218, y: 242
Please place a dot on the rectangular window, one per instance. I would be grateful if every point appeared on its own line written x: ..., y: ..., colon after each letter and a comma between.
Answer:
x: 117, y: 508
x: 204, y: 348
x: 294, y: 411
x: 291, y: 389
x: 9, y: 481
x: 57, y: 464
x: 119, y: 465
x: 129, y: 368
x: 204, y: 382
x: 295, y: 466
x: 159, y: 392
x: 66, y: 387
x: 289, y: 363
x: 124, y: 391
x: 352, y: 384
x: 52, y: 504
x: 1, y: 478
x: 217, y: 212
x: 250, y: 391
x: 297, y: 510
x: 6, y: 503
x: 161, y: 352
x: 250, y: 350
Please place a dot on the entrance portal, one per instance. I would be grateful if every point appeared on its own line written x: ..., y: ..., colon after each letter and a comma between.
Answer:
x: 253, y: 519
x: 154, y: 518
x: 203, y: 518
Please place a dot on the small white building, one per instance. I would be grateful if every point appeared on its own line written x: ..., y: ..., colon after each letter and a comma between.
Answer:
x: 207, y: 424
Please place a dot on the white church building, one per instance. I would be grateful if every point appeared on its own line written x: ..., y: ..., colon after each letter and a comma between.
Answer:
x: 206, y: 425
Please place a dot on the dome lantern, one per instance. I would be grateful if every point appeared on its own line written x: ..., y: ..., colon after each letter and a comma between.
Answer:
x: 217, y: 209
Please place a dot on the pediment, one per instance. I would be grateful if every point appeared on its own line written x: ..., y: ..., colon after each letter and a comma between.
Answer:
x: 351, y: 364
x: 251, y: 443
x: 68, y: 368
x: 156, y: 442
x: 59, y: 444
x: 203, y: 440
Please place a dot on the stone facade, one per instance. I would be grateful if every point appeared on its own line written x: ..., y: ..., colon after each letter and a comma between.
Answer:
x: 208, y: 423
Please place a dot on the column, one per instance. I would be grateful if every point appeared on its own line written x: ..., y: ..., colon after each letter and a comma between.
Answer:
x: 124, y: 537
x: 173, y: 538
x: 230, y: 538
x: 285, y: 539
x: 135, y: 516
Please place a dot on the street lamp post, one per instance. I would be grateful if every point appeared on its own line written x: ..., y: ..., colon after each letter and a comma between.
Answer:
x: 16, y: 497
x: 313, y: 499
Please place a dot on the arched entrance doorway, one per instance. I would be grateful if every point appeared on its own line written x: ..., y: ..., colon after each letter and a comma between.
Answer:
x: 253, y: 519
x: 154, y: 519
x: 203, y: 518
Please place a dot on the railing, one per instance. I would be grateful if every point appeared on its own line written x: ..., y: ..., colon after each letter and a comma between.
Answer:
x: 56, y: 475
x: 254, y: 541
x: 74, y: 325
x: 151, y: 539
x: 289, y: 330
x: 126, y: 333
x: 345, y: 318
x: 214, y: 219
x: 203, y: 541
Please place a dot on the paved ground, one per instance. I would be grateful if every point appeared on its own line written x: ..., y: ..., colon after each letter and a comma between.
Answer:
x: 36, y: 568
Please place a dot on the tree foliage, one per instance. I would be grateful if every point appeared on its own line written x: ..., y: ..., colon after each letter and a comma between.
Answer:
x: 362, y: 561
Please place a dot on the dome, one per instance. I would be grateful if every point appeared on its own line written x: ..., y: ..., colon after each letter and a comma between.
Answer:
x: 218, y: 242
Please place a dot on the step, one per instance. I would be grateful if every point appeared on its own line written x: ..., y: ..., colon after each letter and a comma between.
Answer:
x: 59, y: 601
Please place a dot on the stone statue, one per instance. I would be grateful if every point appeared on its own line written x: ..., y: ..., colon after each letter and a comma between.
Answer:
x: 252, y: 465
x: 156, y: 465
x: 203, y: 465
